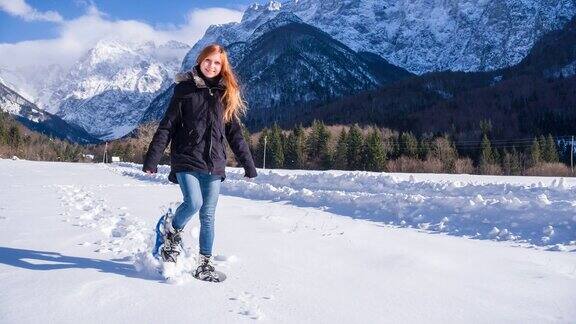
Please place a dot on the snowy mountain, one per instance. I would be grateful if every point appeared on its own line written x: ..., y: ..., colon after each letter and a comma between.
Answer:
x: 106, y: 91
x: 297, y: 246
x: 553, y: 55
x: 116, y: 85
x: 227, y: 34
x: 531, y: 98
x: 14, y: 81
x: 420, y: 36
x: 111, y: 86
x: 285, y: 63
x: 39, y: 120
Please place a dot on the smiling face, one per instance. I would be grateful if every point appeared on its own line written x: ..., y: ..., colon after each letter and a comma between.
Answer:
x: 211, y: 65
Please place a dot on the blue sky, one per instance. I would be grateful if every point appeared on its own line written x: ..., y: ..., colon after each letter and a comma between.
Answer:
x: 59, y: 31
x: 15, y: 28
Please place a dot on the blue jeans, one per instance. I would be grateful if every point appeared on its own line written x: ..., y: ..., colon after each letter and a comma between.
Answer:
x: 200, y: 192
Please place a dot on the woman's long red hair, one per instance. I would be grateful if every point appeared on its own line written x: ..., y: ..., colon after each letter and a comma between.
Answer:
x: 234, y: 105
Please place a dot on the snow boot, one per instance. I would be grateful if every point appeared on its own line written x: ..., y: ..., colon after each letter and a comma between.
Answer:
x: 168, y: 239
x: 172, y: 247
x: 206, y: 271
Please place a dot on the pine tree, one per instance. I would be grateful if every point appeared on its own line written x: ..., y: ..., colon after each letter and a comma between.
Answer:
x: 294, y: 156
x: 374, y: 153
x: 259, y: 158
x: 312, y: 142
x: 425, y: 147
x: 392, y: 147
x: 276, y: 148
x: 486, y: 126
x: 340, y: 156
x: 311, y: 145
x: 354, y: 151
x: 317, y: 146
x: 510, y: 162
x: 324, y: 144
x: 515, y: 162
x: 291, y: 152
x: 535, y: 153
x: 497, y: 156
x: 486, y: 153
x: 14, y: 137
x: 301, y: 140
x: 68, y: 154
x: 550, y: 151
x: 543, y: 144
x: 3, y: 129
x: 409, y: 145
x: 127, y: 153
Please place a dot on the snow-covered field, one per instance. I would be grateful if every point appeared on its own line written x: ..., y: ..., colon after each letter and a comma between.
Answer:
x: 297, y: 246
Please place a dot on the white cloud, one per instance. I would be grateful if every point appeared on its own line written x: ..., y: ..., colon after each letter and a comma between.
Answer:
x: 78, y: 35
x: 21, y: 9
x: 198, y: 20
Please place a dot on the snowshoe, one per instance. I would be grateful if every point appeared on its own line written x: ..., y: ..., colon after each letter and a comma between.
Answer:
x: 206, y: 271
x: 168, y: 239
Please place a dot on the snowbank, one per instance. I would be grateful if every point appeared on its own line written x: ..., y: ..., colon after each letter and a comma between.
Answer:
x: 480, y: 207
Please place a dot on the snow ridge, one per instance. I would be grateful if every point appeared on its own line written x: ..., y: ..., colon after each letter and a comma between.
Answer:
x: 534, y: 215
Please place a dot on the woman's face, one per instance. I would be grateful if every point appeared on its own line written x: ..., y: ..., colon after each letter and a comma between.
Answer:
x: 211, y: 65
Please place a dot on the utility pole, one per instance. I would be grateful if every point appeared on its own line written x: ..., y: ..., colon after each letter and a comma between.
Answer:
x: 572, y: 155
x: 264, y: 162
x: 105, y: 153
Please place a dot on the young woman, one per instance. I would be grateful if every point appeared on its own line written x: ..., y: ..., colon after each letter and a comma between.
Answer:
x: 205, y: 108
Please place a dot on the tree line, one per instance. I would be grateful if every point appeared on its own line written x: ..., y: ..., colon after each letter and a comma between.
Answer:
x: 371, y: 148
x: 322, y: 147
x: 18, y: 141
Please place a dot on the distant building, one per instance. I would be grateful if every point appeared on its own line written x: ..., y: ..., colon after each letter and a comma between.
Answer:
x: 115, y: 159
x: 88, y: 156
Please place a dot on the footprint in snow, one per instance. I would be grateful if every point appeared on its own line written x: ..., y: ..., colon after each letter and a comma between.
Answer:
x: 249, y: 305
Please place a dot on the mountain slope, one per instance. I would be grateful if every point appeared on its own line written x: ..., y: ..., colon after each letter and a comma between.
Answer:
x: 286, y: 63
x: 533, y: 97
x: 109, y: 89
x: 420, y: 36
x: 38, y: 120
x: 289, y: 63
x: 553, y: 56
x: 106, y: 91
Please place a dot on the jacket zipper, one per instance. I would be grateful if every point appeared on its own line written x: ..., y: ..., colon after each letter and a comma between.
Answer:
x: 210, y: 134
x: 180, y: 111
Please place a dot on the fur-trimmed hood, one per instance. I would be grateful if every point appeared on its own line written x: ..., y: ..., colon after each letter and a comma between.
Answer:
x: 193, y: 75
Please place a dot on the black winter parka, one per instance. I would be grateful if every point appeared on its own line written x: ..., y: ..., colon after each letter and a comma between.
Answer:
x: 194, y: 126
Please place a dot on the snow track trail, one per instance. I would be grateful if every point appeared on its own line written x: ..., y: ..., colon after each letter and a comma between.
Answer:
x: 75, y: 241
